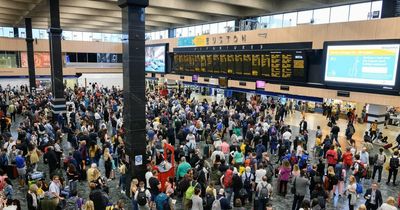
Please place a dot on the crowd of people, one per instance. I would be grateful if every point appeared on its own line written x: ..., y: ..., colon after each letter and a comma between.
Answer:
x: 230, y: 153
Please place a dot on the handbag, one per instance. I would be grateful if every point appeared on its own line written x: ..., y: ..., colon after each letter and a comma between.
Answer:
x: 293, y: 189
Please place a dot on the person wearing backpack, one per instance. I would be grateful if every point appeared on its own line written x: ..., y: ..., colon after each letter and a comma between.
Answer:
x: 221, y: 203
x: 358, y: 168
x: 188, y: 195
x: 263, y: 191
x: 208, y: 201
x: 340, y: 173
x: 163, y: 201
x: 380, y: 160
x: 226, y: 182
x: 248, y: 182
x: 393, y: 167
x: 142, y: 197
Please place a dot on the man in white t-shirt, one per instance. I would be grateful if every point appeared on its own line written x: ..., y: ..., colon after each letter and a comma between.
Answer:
x: 55, y: 189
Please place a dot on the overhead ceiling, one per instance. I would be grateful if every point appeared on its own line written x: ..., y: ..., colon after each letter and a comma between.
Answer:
x: 105, y: 15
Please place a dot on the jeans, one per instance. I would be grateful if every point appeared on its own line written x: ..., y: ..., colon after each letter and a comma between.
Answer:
x: 379, y: 169
x: 372, y: 206
x: 392, y: 172
x: 298, y: 199
x: 351, y: 207
x: 122, y: 180
x: 262, y: 203
x: 335, y: 137
x: 228, y: 193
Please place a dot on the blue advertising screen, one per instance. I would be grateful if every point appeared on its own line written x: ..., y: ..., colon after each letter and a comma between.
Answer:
x: 374, y: 64
x: 155, y: 59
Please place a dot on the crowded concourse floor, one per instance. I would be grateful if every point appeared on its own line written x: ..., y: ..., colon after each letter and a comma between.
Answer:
x: 178, y: 197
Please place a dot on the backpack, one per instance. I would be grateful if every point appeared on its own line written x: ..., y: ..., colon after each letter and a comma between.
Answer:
x: 380, y: 159
x: 361, y: 169
x: 142, y: 198
x: 293, y: 159
x: 209, y: 200
x: 162, y: 202
x: 348, y: 160
x: 216, y: 205
x: 264, y: 193
x: 394, y: 162
x: 228, y: 179
x: 190, y: 191
x: 247, y: 181
x: 359, y: 188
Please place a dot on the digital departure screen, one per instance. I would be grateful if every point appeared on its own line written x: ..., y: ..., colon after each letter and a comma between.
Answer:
x: 289, y: 65
x: 368, y: 64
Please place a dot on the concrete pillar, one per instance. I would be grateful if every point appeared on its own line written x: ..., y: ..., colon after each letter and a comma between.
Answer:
x: 376, y: 112
x: 171, y: 33
x: 56, y: 58
x: 16, y: 32
x: 133, y: 45
x: 30, y: 55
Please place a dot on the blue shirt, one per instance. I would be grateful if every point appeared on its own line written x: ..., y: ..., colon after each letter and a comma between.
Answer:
x: 20, y: 161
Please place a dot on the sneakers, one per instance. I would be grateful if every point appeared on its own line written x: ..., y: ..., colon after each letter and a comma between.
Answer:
x: 122, y: 191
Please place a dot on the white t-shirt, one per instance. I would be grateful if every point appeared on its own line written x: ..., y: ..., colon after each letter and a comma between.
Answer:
x: 148, y: 175
x: 259, y: 175
x: 287, y: 135
x: 54, y: 188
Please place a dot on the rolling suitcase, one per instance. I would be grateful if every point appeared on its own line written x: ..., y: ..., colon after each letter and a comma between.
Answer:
x: 388, y: 146
x: 36, y: 176
x: 12, y: 171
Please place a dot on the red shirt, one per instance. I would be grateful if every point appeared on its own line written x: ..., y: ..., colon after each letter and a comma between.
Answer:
x: 331, y: 156
x: 348, y: 159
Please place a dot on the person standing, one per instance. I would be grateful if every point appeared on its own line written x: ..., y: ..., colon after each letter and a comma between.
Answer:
x: 351, y: 192
x: 301, y: 184
x: 393, y: 167
x: 373, y: 197
x: 373, y: 130
x: 303, y: 125
x: 197, y: 201
x: 380, y: 160
x: 335, y: 132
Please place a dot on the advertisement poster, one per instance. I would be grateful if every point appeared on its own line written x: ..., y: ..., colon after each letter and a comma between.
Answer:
x: 42, y: 60
x: 362, y: 64
x: 155, y: 59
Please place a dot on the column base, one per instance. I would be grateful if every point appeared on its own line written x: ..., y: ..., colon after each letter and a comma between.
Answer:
x: 58, y: 106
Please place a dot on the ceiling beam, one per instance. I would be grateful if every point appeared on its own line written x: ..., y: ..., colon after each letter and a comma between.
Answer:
x: 265, y: 5
x: 40, y: 4
x: 206, y: 7
x: 88, y: 11
x: 15, y: 5
x: 180, y: 14
x: 92, y: 4
x: 167, y: 19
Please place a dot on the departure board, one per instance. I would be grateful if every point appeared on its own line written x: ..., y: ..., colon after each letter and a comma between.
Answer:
x: 230, y: 65
x: 247, y: 64
x: 223, y: 63
x: 255, y: 64
x: 265, y: 65
x: 289, y: 65
x: 203, y: 63
x: 216, y: 63
x: 209, y: 63
x: 238, y: 70
x: 197, y: 63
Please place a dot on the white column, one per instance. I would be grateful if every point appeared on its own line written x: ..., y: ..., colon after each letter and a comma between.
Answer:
x: 376, y: 112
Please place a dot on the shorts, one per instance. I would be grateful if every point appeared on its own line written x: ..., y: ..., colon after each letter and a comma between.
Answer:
x: 21, y: 172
